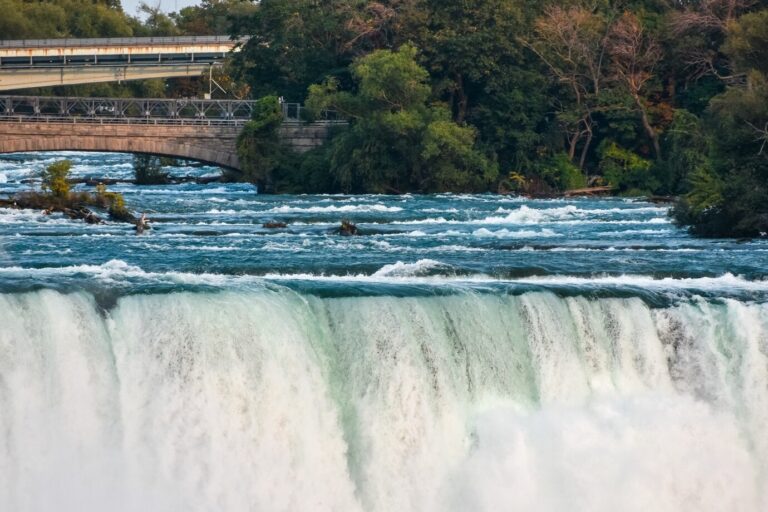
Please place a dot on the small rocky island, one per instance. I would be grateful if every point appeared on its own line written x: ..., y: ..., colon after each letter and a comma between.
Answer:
x: 56, y: 196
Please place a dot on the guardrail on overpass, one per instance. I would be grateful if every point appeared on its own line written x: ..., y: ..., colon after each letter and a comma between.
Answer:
x: 122, y: 50
x: 117, y: 41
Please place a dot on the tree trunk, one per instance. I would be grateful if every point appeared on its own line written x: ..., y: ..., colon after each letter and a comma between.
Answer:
x: 585, y: 149
x: 463, y: 101
x: 572, y: 145
x: 648, y: 127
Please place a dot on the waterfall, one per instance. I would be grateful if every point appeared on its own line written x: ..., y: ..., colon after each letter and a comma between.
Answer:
x: 276, y: 400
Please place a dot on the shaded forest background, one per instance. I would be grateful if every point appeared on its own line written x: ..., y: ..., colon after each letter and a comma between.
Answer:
x: 652, y: 97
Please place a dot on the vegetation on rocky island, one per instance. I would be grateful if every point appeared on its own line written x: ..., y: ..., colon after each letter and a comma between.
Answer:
x: 56, y: 196
x: 148, y: 170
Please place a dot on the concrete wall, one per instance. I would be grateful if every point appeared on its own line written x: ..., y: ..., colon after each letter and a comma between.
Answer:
x: 211, y: 144
x: 303, y: 137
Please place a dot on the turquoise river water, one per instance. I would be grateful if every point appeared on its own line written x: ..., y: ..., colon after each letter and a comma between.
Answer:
x: 466, y: 352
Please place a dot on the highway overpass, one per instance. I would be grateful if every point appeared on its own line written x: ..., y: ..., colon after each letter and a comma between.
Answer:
x: 50, y: 62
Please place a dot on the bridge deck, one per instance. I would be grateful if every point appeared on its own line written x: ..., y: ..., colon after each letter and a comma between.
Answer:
x: 114, y: 41
x: 131, y: 51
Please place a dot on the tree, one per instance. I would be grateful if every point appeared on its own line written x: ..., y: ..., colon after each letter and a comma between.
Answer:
x: 397, y: 141
x: 464, y: 45
x: 157, y: 23
x: 63, y: 18
x: 686, y: 152
x: 729, y: 194
x: 292, y: 44
x: 572, y: 43
x: 211, y: 17
x: 477, y: 66
x: 747, y: 43
x: 634, y: 57
x: 258, y: 145
x: 703, y: 26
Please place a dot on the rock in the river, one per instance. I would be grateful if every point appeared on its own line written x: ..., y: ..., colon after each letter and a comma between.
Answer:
x: 348, y: 229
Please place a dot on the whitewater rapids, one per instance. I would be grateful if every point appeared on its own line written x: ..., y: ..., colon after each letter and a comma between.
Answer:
x: 283, y: 401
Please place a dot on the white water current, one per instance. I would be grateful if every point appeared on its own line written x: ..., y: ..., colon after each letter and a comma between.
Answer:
x: 282, y: 401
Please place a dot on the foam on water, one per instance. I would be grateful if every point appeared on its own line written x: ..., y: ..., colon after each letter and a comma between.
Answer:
x: 336, y: 209
x: 401, y: 269
x: 522, y: 233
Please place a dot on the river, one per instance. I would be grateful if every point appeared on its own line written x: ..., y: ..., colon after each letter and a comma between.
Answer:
x: 466, y: 352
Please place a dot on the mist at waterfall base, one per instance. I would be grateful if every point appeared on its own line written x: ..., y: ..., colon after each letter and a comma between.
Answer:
x: 469, y: 352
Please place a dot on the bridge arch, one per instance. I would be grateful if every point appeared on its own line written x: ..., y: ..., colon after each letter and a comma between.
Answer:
x: 215, y: 145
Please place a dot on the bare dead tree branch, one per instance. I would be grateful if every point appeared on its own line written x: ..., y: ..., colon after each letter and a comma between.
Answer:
x: 634, y: 57
x: 762, y: 135
x: 571, y: 42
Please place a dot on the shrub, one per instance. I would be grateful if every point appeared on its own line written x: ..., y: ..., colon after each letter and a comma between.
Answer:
x: 148, y: 170
x: 55, y: 179
x: 627, y: 171
x: 560, y: 173
x: 686, y: 147
x: 114, y: 202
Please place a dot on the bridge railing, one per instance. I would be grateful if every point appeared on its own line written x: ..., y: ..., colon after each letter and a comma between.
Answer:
x: 117, y: 41
x: 125, y: 108
x: 298, y: 113
x: 154, y: 121
x: 145, y: 111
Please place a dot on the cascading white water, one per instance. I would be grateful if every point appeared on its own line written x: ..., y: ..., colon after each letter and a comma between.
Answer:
x: 280, y: 401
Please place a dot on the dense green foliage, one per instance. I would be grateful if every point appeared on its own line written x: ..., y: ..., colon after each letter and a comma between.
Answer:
x: 397, y: 141
x: 259, y: 146
x: 729, y: 189
x: 647, y: 96
x: 728, y: 192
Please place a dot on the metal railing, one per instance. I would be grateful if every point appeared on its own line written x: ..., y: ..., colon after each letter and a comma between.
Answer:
x: 123, y: 110
x: 118, y: 41
x: 298, y: 113
x: 57, y: 63
x: 155, y: 111
x: 154, y: 121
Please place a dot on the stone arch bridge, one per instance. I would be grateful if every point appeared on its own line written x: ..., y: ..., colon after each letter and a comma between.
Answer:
x: 202, y: 130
